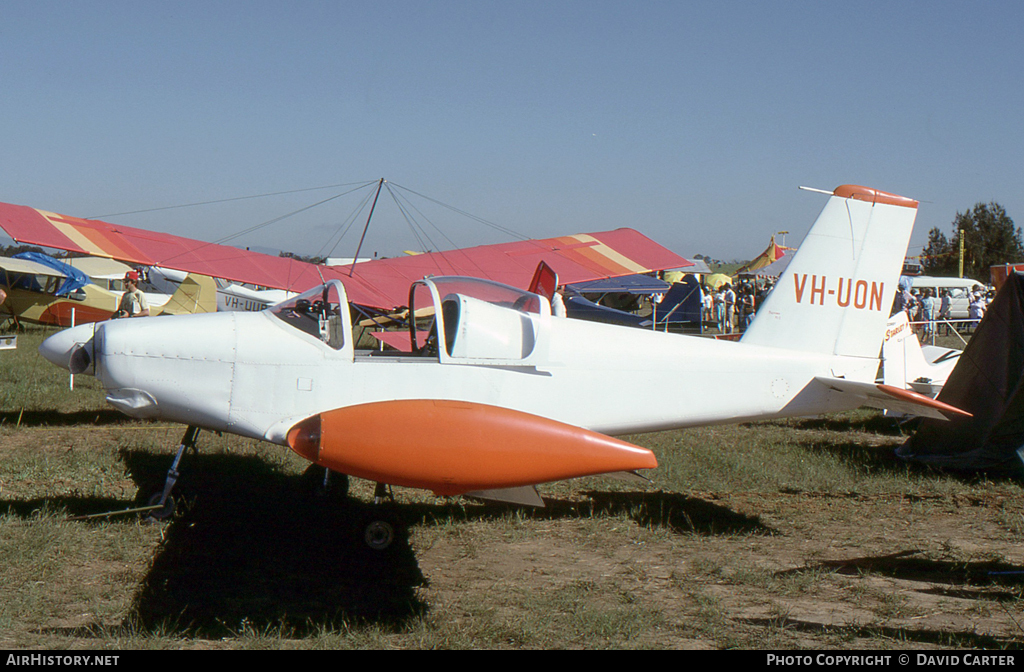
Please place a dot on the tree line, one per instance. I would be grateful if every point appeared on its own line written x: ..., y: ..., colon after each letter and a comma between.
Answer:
x: 990, y: 238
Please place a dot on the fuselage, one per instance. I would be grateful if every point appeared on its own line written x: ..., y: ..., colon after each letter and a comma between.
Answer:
x: 254, y: 375
x: 498, y: 393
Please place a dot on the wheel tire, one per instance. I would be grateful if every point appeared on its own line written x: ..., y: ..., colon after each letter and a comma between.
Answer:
x: 163, y: 513
x: 379, y: 534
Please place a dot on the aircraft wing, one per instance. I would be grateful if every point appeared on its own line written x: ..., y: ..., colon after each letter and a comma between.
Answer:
x: 148, y: 248
x: 381, y: 283
x: 891, y: 398
x: 13, y: 265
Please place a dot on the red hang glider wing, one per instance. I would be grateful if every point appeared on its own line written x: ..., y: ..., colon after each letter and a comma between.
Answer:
x: 382, y: 283
x: 149, y: 248
x: 576, y: 258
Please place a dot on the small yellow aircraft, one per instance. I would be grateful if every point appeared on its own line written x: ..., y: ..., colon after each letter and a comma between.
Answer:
x: 36, y: 293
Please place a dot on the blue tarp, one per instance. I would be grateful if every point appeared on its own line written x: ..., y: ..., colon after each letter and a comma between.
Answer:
x: 75, y: 279
x: 682, y: 304
x: 580, y: 308
x: 629, y: 284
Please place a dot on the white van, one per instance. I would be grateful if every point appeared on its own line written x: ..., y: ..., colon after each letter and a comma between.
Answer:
x: 960, y: 290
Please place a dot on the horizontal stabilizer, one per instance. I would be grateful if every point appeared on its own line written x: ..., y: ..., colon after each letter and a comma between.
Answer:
x: 892, y: 398
x: 526, y: 495
x: 628, y: 477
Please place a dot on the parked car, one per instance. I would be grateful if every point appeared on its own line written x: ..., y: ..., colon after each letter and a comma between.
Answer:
x: 960, y: 290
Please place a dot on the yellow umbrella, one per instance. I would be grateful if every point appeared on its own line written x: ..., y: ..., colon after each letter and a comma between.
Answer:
x: 716, y: 280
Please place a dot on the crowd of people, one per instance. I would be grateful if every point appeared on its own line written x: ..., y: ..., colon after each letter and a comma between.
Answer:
x: 932, y: 313
x: 732, y: 309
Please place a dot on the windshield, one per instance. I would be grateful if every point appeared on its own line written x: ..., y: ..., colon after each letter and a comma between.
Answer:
x: 316, y: 312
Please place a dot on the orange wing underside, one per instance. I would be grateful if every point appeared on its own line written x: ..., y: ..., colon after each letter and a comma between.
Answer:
x: 454, y: 447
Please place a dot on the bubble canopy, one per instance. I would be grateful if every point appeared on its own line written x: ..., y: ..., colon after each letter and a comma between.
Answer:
x: 443, y: 307
x: 492, y: 292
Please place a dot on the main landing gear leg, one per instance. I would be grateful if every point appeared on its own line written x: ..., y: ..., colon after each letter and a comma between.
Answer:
x: 163, y: 499
x: 381, y: 493
x: 324, y: 483
x: 379, y: 532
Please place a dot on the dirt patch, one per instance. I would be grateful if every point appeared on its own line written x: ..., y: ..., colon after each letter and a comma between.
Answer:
x: 821, y: 572
x: 251, y: 559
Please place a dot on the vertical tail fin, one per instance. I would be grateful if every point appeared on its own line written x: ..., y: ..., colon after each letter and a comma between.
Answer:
x: 835, y: 296
x: 901, y: 353
x: 906, y: 365
x: 545, y: 281
x: 196, y: 294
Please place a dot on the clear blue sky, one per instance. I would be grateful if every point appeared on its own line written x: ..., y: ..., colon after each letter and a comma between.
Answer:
x: 693, y: 122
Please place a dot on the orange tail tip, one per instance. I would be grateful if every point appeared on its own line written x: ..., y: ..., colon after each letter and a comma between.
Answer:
x: 454, y: 447
x: 910, y: 395
x: 859, y: 193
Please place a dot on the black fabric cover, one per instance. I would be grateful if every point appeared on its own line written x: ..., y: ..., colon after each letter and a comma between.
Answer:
x: 986, y: 382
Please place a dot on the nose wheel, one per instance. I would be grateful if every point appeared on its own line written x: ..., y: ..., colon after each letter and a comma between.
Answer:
x: 163, y: 500
x: 164, y: 506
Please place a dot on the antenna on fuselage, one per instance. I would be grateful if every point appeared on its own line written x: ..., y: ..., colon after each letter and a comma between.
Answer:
x: 817, y: 191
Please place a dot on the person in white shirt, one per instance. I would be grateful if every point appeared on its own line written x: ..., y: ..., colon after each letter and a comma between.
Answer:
x: 730, y: 303
x: 133, y: 301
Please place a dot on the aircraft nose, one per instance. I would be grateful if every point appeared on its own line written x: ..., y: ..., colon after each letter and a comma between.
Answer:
x: 59, y: 348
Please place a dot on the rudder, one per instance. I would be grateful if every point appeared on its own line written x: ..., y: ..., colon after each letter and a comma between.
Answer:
x: 196, y: 294
x: 835, y: 296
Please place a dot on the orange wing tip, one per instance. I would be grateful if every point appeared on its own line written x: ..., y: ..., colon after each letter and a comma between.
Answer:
x: 453, y: 447
x: 859, y: 193
x: 304, y: 438
x: 908, y: 395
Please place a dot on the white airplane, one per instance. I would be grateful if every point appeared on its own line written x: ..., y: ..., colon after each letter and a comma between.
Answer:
x: 499, y: 395
x: 230, y: 295
x: 908, y: 365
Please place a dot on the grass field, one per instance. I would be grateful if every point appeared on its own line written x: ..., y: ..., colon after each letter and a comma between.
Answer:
x: 789, y: 534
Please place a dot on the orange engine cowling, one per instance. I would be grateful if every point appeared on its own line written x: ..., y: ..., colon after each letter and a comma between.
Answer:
x: 453, y: 447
